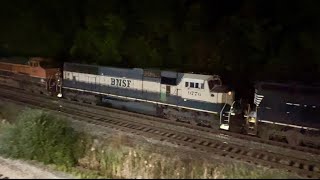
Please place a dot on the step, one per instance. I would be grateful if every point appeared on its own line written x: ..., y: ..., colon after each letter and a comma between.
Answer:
x: 224, y: 126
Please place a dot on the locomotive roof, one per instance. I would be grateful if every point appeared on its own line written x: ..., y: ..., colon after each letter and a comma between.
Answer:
x: 127, y: 72
x: 103, y: 70
x: 23, y: 60
x: 15, y: 60
x: 288, y: 88
x: 196, y: 76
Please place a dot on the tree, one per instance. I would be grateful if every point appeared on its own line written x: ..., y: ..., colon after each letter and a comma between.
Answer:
x: 100, y: 40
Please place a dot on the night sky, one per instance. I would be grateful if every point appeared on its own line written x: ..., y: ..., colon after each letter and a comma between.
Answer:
x: 243, y: 41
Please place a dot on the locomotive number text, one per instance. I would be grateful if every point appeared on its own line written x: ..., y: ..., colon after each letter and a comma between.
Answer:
x: 120, y: 82
x: 192, y: 93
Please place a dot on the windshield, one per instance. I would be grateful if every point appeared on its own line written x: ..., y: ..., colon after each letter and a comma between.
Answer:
x: 214, y: 83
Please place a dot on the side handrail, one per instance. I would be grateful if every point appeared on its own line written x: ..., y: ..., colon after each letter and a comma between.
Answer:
x: 221, y: 112
x: 230, y: 111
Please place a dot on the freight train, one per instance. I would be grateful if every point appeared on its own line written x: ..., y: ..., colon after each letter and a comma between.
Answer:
x: 286, y: 112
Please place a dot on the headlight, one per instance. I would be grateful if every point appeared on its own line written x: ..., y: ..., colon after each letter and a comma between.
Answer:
x: 252, y: 120
x: 229, y: 93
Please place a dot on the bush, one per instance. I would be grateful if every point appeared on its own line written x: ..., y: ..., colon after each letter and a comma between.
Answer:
x: 40, y: 136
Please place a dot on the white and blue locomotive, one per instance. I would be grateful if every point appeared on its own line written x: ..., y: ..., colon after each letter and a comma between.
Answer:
x: 199, y: 99
x: 195, y: 98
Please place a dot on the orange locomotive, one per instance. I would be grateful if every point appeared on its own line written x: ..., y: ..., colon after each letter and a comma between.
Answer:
x: 35, y: 74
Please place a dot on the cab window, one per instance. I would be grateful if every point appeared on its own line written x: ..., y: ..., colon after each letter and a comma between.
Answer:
x: 213, y: 83
x: 33, y: 64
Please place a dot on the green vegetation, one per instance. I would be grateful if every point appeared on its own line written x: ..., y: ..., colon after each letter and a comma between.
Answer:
x: 41, y: 136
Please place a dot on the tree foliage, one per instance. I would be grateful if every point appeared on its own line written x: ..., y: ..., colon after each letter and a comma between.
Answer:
x: 100, y: 40
x: 241, y: 40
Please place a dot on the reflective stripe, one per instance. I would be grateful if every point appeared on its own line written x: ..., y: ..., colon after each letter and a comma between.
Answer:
x: 291, y: 104
x: 257, y: 99
x: 142, y: 100
x: 290, y: 125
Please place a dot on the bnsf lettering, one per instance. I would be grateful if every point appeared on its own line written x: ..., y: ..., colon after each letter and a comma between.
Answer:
x: 120, y: 82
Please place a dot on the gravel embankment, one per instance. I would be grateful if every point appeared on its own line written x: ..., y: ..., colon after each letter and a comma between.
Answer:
x: 18, y: 169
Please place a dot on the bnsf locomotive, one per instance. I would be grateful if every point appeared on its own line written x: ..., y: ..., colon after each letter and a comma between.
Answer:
x: 280, y: 111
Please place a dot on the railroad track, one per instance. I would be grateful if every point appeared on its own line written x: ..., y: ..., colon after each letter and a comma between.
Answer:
x: 311, y: 150
x: 3, y: 177
x: 302, y: 167
x: 181, y: 124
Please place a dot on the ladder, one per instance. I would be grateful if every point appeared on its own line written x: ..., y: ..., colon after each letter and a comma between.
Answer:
x: 225, y: 117
x: 251, y: 122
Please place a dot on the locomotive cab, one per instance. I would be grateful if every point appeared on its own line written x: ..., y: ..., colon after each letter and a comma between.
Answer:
x: 34, y: 63
x: 218, y: 90
x: 209, y: 88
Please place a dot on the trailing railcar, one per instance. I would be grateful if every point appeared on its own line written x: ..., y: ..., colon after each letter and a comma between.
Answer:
x: 35, y: 74
x: 288, y: 111
x: 195, y: 98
